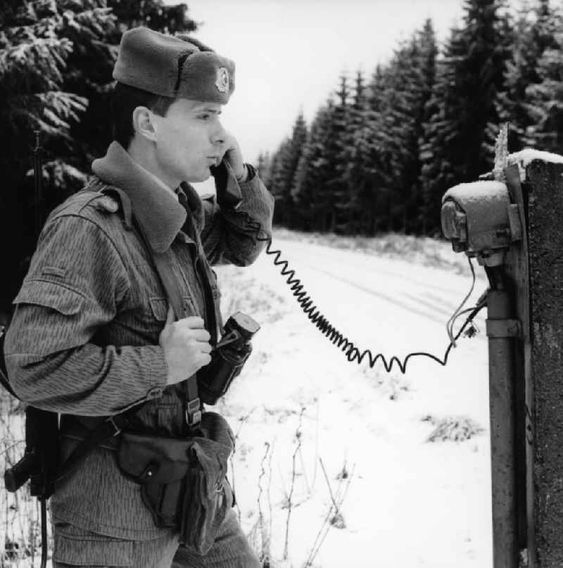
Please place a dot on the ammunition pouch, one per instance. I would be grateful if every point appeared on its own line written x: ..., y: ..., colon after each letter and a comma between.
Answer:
x: 183, y: 481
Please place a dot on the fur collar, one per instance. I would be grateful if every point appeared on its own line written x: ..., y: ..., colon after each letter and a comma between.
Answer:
x: 157, y: 210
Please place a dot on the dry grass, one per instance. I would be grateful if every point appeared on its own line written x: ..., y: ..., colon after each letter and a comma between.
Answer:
x: 452, y: 428
x: 20, y: 528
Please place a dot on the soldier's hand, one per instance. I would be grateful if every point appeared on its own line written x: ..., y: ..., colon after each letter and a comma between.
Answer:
x: 233, y: 155
x: 186, y: 346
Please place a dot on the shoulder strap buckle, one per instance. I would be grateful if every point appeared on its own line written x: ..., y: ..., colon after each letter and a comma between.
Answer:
x: 193, y: 412
x: 117, y: 429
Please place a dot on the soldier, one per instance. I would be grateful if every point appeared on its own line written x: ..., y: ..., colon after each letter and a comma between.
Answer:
x: 92, y: 332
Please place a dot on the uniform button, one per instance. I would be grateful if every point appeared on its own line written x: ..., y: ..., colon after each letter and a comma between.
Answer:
x: 155, y: 392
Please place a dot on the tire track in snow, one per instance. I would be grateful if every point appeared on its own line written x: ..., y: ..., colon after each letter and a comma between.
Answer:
x: 440, y: 306
x: 401, y: 274
x: 392, y: 300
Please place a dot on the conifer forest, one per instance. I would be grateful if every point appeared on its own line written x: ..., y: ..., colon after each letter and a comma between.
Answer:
x: 377, y: 156
x: 383, y: 149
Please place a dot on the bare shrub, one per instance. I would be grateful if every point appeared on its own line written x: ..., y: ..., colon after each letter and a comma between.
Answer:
x: 452, y: 429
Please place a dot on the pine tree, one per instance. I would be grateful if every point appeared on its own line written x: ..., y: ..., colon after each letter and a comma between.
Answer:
x: 282, y: 173
x: 34, y: 51
x: 481, y: 77
x: 292, y: 155
x: 263, y: 164
x: 428, y: 56
x: 534, y: 32
x: 406, y: 91
x: 545, y: 98
x: 320, y: 189
x: 396, y: 126
x: 276, y: 183
x: 55, y: 72
x: 357, y: 158
x: 462, y: 114
x: 378, y: 193
x: 313, y: 173
x: 153, y: 14
x: 441, y: 153
x: 335, y: 197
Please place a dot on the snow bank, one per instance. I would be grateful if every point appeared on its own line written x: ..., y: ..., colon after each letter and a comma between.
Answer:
x: 407, y: 457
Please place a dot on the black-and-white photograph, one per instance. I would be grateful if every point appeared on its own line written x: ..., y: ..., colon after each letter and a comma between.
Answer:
x: 281, y: 284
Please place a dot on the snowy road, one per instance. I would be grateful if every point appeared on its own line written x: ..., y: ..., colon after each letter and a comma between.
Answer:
x: 409, y: 502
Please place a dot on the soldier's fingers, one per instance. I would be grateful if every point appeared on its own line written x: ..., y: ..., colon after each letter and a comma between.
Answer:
x: 193, y: 322
x: 201, y: 335
x: 205, y: 347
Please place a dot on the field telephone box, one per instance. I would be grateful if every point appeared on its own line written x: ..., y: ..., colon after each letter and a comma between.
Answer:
x: 513, y: 225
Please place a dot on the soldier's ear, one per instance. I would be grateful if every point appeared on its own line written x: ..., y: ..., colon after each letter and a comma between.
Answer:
x: 144, y: 123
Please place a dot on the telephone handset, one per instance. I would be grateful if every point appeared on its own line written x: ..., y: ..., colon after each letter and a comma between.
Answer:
x: 228, y: 191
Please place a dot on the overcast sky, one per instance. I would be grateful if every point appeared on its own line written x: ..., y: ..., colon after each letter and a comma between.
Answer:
x: 289, y: 53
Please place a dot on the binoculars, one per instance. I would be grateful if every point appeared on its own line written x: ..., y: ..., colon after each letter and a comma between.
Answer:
x: 227, y: 358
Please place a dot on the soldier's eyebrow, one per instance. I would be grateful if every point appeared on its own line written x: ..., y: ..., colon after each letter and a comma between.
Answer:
x: 204, y: 108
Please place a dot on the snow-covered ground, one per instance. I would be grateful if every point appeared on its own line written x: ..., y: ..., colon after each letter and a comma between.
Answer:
x: 314, y: 430
x: 311, y: 424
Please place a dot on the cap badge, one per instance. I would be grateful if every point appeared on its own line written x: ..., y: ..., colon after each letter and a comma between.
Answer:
x: 222, y: 82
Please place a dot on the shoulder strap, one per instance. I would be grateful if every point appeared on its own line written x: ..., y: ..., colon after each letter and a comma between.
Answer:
x: 163, y: 266
x: 104, y: 431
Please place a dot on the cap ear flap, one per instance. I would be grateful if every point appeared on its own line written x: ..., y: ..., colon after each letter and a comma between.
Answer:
x: 196, y: 42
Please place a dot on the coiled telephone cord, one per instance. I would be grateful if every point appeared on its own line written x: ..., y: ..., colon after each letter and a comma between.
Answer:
x: 353, y: 353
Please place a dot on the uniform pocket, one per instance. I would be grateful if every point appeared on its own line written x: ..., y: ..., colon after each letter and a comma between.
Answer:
x: 80, y: 547
x: 159, y: 308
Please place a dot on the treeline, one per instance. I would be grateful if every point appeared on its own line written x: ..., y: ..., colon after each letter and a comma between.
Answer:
x: 381, y: 152
x: 56, y: 61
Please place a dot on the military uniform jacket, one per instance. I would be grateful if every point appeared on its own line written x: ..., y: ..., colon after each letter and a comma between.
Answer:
x: 84, y: 336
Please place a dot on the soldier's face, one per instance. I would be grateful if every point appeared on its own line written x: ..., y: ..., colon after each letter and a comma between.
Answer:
x: 189, y: 139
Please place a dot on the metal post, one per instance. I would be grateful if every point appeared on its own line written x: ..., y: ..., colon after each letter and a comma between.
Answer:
x: 501, y: 330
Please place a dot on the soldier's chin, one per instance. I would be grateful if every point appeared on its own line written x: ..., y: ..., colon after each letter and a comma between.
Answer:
x: 200, y: 177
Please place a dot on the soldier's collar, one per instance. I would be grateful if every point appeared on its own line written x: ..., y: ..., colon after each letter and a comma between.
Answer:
x: 155, y: 208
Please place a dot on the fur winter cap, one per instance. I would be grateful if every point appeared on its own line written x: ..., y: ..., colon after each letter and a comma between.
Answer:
x: 173, y: 67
